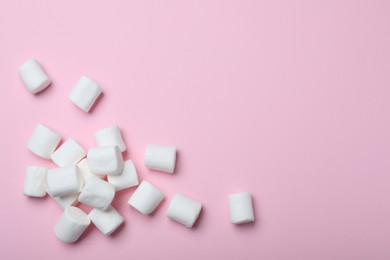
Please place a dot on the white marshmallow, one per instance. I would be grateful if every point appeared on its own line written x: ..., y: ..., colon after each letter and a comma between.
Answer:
x: 160, y: 157
x: 184, y: 210
x: 107, y: 221
x: 110, y: 136
x: 97, y: 193
x: 146, y: 198
x: 69, y: 153
x: 66, y: 201
x: 105, y: 160
x: 43, y: 141
x: 84, y: 170
x: 35, y: 181
x: 33, y: 76
x: 241, y: 208
x: 71, y: 225
x: 128, y: 178
x: 85, y: 93
x: 63, y: 181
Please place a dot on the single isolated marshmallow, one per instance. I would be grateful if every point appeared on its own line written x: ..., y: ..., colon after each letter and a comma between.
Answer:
x: 66, y: 201
x: 128, y: 178
x: 63, y: 181
x: 69, y: 153
x: 107, y: 221
x: 184, y: 210
x: 160, y: 157
x: 146, y: 198
x: 35, y: 181
x: 240, y: 208
x: 97, y: 193
x: 110, y: 136
x: 105, y: 160
x: 43, y: 141
x: 84, y: 170
x: 33, y: 76
x: 85, y: 93
x: 71, y: 225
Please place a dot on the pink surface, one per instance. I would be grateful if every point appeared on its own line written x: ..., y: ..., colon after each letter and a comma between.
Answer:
x: 286, y: 99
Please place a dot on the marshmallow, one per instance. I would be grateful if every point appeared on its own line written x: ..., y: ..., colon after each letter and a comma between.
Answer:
x: 240, y: 208
x: 71, y: 225
x: 63, y: 181
x: 43, y: 141
x: 66, y: 201
x: 110, y: 136
x: 84, y: 170
x: 35, y: 181
x: 85, y: 93
x: 105, y: 160
x: 128, y: 178
x: 33, y: 76
x: 97, y: 193
x: 160, y: 157
x: 184, y: 210
x: 69, y: 153
x: 146, y: 198
x: 107, y: 221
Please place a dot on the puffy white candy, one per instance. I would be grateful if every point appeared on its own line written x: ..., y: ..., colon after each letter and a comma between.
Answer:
x: 128, y: 178
x: 69, y: 153
x: 146, y: 198
x: 105, y: 160
x: 71, y: 225
x: 84, y: 170
x: 184, y: 210
x: 110, y: 136
x: 43, y: 141
x: 33, y: 76
x: 160, y: 157
x: 63, y: 181
x: 240, y: 208
x: 107, y: 221
x: 85, y: 93
x: 66, y: 201
x: 97, y: 193
x: 35, y: 181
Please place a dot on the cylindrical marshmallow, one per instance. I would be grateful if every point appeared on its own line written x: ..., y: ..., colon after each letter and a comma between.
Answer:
x: 35, y: 181
x: 85, y: 93
x: 128, y: 178
x: 241, y: 208
x: 146, y: 198
x: 66, y: 201
x: 33, y: 76
x: 107, y: 221
x: 105, y: 160
x: 97, y: 193
x: 160, y: 157
x: 43, y: 141
x: 110, y: 136
x: 69, y: 153
x: 84, y: 170
x: 184, y: 210
x: 71, y: 225
x: 63, y: 181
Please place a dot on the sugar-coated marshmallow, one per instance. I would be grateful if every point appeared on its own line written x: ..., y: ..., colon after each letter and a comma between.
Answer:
x: 107, y: 221
x: 85, y: 93
x: 105, y: 160
x: 63, y: 181
x: 128, y: 178
x: 71, y: 225
x: 241, y: 208
x: 110, y: 136
x: 184, y: 210
x: 146, y: 198
x: 43, y: 141
x: 160, y: 157
x: 97, y: 193
x: 33, y: 76
x: 84, y: 170
x: 35, y: 181
x: 69, y: 153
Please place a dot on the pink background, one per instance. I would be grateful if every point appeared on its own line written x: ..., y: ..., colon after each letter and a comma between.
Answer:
x: 289, y: 100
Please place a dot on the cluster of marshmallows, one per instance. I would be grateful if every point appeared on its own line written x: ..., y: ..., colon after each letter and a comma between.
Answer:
x: 92, y: 177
